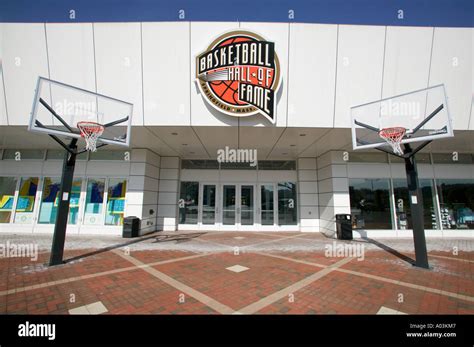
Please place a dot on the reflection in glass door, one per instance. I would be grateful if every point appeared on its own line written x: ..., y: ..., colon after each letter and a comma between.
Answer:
x: 241, y: 206
x: 188, y: 203
x: 94, y: 201
x: 25, y: 203
x: 287, y: 203
x: 266, y: 204
x: 228, y: 205
x: 209, y: 204
x: 246, y: 205
x: 7, y: 196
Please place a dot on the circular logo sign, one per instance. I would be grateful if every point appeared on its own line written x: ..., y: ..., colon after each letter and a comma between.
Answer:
x: 239, y: 75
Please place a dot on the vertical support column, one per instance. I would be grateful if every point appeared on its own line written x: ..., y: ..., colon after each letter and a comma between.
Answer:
x: 59, y: 236
x: 416, y: 204
x: 150, y: 193
x: 333, y: 187
x: 308, y: 194
x: 168, y: 194
x: 142, y: 194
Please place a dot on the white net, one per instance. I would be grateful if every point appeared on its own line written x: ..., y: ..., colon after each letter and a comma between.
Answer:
x: 90, y: 131
x: 394, y: 137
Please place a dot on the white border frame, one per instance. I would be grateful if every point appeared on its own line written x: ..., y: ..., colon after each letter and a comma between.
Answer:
x: 34, y: 128
x: 449, y: 133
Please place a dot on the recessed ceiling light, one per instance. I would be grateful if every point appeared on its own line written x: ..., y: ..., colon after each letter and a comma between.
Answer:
x: 302, y: 134
x: 174, y: 134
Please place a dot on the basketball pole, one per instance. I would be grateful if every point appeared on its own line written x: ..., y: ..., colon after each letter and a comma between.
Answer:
x: 416, y: 205
x: 60, y: 226
x: 59, y: 237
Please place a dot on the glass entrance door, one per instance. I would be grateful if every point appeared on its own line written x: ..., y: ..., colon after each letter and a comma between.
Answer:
x: 229, y: 204
x: 267, y: 205
x: 209, y: 204
x: 246, y: 205
x: 238, y: 207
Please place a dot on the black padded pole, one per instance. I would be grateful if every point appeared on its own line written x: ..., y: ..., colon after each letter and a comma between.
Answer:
x: 370, y: 127
x: 58, y: 117
x: 416, y: 205
x: 427, y: 119
x: 59, y: 237
x: 116, y: 122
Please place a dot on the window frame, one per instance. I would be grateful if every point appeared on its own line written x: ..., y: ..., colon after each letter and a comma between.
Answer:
x: 38, y: 194
x: 15, y: 197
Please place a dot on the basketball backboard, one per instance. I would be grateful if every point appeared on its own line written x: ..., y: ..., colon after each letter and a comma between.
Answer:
x: 58, y: 107
x: 423, y: 113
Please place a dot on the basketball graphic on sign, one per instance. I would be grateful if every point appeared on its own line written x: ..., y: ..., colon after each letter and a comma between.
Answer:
x: 239, y: 75
x: 228, y: 90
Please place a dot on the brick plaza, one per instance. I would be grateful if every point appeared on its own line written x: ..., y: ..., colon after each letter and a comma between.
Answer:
x: 236, y: 273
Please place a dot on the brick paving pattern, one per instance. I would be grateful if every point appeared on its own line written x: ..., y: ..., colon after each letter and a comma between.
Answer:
x: 284, y: 273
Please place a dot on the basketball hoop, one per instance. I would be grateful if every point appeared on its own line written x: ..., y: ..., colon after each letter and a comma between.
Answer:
x: 90, y: 131
x: 394, y: 137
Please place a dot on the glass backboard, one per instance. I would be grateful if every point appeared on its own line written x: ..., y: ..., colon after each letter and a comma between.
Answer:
x: 423, y: 113
x: 58, y: 107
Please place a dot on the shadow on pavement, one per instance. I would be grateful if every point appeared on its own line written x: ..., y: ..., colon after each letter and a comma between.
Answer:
x: 382, y: 246
x: 178, y: 238
x: 110, y: 248
x: 391, y: 250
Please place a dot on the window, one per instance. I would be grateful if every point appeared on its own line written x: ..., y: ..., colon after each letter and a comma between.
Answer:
x: 421, y: 158
x: 277, y: 165
x: 403, y: 208
x: 238, y: 166
x: 402, y: 204
x: 7, y: 195
x: 26, y: 200
x: 287, y: 203
x: 362, y: 157
x: 188, y: 203
x: 262, y: 165
x: 50, y: 200
x: 58, y: 154
x: 94, y: 201
x: 74, y: 201
x: 116, y: 201
x: 456, y: 199
x: 199, y: 164
x: 108, y: 155
x: 451, y: 158
x: 430, y: 205
x: 21, y: 154
x: 370, y: 203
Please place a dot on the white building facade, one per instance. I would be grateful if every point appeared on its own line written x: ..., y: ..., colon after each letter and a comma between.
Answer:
x: 306, y: 171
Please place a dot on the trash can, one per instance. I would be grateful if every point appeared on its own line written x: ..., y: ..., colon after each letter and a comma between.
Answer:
x: 344, y: 226
x: 131, y: 227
